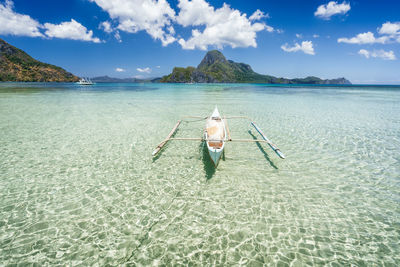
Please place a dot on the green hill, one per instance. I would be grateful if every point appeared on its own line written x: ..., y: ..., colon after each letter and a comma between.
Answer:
x: 18, y: 66
x: 215, y: 68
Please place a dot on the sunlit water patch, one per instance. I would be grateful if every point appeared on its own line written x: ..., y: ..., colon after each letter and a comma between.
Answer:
x: 79, y: 186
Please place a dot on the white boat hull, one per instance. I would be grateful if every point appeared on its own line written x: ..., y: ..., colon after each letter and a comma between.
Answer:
x: 215, y: 155
x: 215, y: 136
x: 85, y: 81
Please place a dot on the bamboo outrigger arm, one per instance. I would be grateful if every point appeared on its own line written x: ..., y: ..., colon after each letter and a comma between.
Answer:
x: 227, y: 129
x: 158, y: 148
x: 193, y: 117
x: 238, y: 117
x: 273, y: 147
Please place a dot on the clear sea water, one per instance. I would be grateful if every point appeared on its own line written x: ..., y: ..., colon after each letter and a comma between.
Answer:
x: 78, y: 185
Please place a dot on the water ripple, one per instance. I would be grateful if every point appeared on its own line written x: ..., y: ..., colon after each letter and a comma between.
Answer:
x: 79, y: 187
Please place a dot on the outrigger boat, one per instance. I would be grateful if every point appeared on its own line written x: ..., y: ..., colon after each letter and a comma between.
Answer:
x: 216, y: 135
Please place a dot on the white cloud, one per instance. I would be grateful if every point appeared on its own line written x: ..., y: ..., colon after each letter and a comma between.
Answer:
x: 142, y: 15
x: 117, y: 36
x: 390, y: 28
x: 106, y: 26
x: 70, y: 30
x: 269, y: 28
x: 171, y: 30
x: 158, y: 67
x: 364, y: 53
x: 315, y: 36
x: 120, y: 70
x: 223, y: 27
x: 386, y: 55
x: 258, y: 14
x: 364, y: 38
x: 195, y: 12
x: 210, y: 26
x: 144, y: 70
x: 306, y: 47
x: 390, y: 32
x: 299, y: 36
x: 332, y: 8
x: 17, y: 24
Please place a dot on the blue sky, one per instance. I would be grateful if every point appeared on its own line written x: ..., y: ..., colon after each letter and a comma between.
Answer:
x: 359, y: 40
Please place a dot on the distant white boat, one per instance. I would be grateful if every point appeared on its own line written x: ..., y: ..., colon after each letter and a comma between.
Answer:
x: 191, y: 81
x: 85, y: 81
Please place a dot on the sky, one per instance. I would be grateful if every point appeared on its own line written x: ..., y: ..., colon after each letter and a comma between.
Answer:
x: 359, y: 40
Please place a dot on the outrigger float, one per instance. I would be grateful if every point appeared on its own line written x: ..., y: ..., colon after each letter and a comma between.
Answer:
x: 216, y: 134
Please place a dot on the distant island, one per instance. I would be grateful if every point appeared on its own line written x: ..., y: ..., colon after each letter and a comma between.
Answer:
x: 215, y: 68
x: 18, y: 66
x: 107, y: 79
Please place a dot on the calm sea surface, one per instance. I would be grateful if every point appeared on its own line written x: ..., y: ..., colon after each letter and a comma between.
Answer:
x: 78, y: 185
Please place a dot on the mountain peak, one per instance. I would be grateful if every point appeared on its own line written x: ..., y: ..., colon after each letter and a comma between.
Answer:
x: 211, y: 58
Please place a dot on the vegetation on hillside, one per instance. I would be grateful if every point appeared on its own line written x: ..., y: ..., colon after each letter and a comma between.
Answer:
x: 16, y: 65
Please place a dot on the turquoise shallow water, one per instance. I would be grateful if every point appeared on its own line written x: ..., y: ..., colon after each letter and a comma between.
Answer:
x: 78, y: 185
